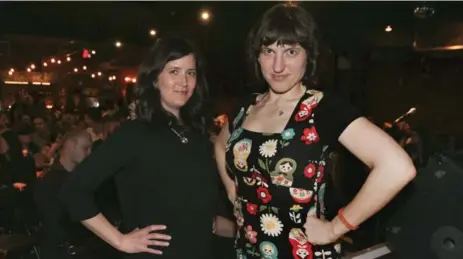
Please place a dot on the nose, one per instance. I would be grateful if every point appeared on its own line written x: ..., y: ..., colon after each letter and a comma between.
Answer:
x: 278, y: 64
x: 183, y: 80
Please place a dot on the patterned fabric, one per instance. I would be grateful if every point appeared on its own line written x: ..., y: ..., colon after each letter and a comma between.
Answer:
x: 279, y: 180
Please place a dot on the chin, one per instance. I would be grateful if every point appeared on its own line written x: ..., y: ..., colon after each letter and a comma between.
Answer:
x: 180, y: 103
x: 281, y: 87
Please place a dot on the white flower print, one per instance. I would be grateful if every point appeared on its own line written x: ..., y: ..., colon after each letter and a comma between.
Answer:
x: 268, y: 148
x: 271, y: 225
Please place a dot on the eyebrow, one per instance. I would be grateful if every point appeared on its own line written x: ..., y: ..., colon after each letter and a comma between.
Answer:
x: 285, y: 46
x: 179, y: 68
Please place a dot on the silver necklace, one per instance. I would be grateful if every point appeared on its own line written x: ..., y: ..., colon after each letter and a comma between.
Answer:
x: 181, y: 136
x: 280, y: 110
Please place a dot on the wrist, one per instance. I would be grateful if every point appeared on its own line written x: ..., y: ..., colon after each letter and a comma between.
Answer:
x: 338, y: 229
x: 118, y: 242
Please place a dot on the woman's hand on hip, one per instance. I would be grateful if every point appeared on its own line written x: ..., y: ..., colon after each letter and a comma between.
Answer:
x: 140, y: 240
x: 319, y: 232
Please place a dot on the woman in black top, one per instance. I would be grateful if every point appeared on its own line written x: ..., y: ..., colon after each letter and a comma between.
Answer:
x: 164, y: 172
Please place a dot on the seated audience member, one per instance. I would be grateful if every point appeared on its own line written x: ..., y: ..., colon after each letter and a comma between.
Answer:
x: 58, y: 233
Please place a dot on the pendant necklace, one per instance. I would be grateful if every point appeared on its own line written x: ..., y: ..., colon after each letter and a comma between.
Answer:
x: 180, y: 135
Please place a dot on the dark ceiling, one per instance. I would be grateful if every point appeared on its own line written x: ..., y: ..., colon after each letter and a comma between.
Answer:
x: 130, y: 21
x: 343, y: 24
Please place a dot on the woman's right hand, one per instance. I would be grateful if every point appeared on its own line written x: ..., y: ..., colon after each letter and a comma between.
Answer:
x: 139, y: 240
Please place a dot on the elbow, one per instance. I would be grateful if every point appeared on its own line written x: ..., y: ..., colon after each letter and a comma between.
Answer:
x: 408, y: 173
x: 405, y: 170
x: 400, y: 170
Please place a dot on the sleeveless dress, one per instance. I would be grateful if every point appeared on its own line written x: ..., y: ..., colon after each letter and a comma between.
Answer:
x: 280, y: 180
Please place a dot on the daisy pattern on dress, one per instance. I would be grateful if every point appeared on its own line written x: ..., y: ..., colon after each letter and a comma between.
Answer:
x: 271, y: 225
x: 268, y: 148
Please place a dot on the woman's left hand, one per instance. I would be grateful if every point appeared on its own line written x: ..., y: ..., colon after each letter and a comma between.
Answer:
x: 319, y: 232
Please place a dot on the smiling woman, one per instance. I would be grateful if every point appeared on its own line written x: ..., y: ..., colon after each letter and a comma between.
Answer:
x: 165, y: 172
x: 172, y: 85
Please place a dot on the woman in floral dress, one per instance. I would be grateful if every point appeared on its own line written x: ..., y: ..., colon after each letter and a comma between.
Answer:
x: 272, y: 154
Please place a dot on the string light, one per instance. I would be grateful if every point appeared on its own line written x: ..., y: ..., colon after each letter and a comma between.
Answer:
x: 49, y: 61
x: 205, y: 16
x: 130, y: 79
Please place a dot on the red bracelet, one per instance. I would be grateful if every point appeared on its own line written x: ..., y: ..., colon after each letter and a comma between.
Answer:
x: 344, y: 221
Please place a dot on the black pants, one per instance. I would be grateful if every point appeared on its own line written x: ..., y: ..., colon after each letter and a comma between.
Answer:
x: 224, y: 247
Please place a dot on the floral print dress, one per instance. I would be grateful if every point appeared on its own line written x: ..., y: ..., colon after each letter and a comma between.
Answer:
x: 279, y: 180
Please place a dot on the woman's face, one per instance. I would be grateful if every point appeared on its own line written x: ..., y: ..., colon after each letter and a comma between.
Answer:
x: 283, y: 66
x: 177, y: 82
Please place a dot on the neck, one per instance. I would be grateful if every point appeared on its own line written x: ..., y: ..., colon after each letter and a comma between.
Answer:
x: 67, y: 163
x: 175, y: 112
x: 294, y: 93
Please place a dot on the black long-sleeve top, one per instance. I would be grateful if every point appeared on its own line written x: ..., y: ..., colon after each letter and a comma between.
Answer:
x: 56, y: 226
x: 159, y: 180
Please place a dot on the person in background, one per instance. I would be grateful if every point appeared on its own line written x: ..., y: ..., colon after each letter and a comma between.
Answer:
x: 273, y: 154
x: 27, y: 169
x: 42, y: 135
x: 162, y: 162
x: 92, y: 118
x: 58, y: 233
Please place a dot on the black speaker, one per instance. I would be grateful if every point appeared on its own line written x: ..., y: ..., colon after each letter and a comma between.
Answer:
x: 429, y: 223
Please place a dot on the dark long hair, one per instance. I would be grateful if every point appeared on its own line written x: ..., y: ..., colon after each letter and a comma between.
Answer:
x: 284, y: 24
x: 148, y: 98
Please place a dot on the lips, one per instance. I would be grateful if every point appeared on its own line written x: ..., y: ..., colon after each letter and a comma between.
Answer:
x: 279, y: 77
x: 181, y: 91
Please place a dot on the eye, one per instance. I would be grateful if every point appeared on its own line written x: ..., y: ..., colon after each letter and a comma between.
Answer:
x: 292, y: 52
x: 174, y: 72
x: 192, y: 73
x: 266, y: 51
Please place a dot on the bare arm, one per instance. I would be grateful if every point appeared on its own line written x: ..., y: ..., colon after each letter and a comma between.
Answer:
x: 219, y: 149
x: 105, y: 230
x: 392, y: 170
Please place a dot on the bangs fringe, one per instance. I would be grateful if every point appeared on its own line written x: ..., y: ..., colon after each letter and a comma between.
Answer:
x: 282, y: 30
